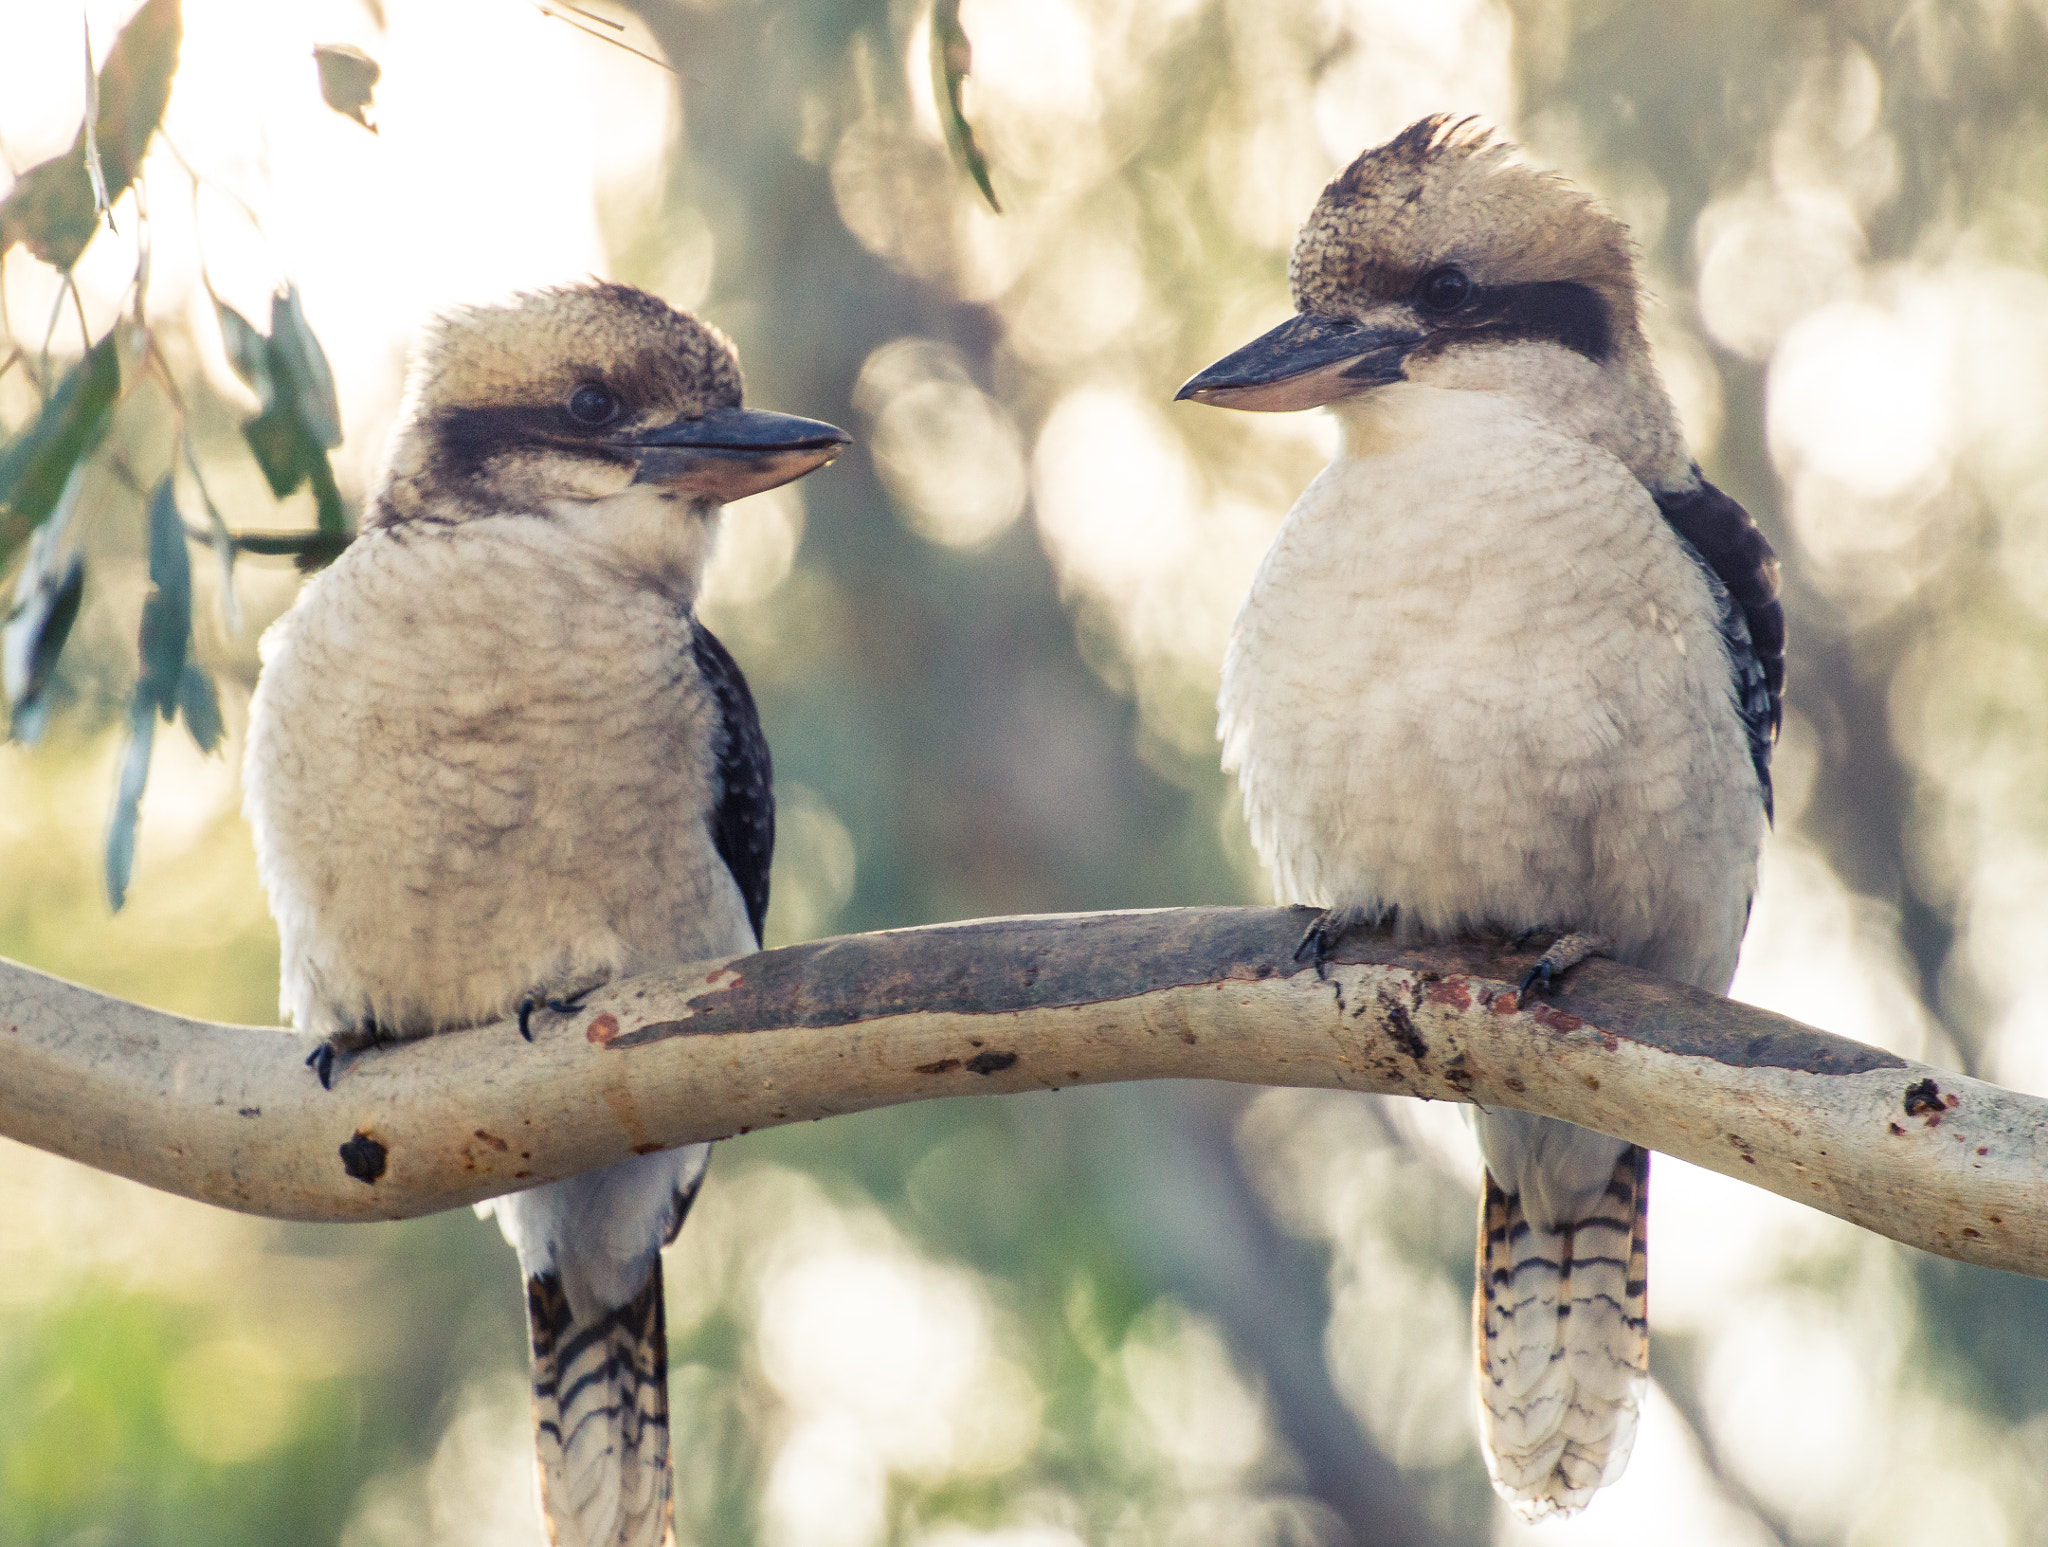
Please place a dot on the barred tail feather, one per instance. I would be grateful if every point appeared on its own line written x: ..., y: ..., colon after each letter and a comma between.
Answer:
x: 600, y: 1412
x: 1561, y: 1317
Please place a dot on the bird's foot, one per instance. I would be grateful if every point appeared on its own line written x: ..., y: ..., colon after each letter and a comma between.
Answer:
x: 565, y: 1004
x: 1326, y: 932
x: 1565, y: 953
x: 365, y: 1033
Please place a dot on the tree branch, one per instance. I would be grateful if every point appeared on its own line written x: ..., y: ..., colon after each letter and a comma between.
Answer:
x: 229, y: 1114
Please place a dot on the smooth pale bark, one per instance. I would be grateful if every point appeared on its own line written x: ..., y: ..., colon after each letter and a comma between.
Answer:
x: 232, y: 1116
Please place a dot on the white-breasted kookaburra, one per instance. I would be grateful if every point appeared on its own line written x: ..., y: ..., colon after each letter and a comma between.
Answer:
x: 1510, y: 665
x: 495, y: 760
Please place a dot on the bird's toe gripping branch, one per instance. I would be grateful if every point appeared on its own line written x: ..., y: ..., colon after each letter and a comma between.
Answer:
x: 1327, y: 931
x: 563, y: 1004
x: 1565, y: 953
x: 365, y: 1033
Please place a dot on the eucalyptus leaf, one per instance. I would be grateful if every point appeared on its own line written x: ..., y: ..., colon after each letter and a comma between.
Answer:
x: 300, y: 367
x: 33, y: 639
x: 120, y: 859
x: 348, y: 76
x: 53, y: 206
x: 199, y: 704
x: 46, y: 598
x: 282, y: 448
x: 37, y: 465
x: 952, y: 62
x: 248, y: 351
x: 167, y: 611
x: 327, y: 497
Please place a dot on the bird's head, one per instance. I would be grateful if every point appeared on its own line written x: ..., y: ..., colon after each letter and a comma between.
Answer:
x: 1439, y: 259
x: 595, y: 404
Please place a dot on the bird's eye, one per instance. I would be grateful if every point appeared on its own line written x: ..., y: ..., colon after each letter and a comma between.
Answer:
x: 1445, y: 289
x: 592, y: 404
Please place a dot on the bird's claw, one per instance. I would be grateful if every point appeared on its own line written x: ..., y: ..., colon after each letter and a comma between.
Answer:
x: 321, y: 1062
x: 1315, y: 946
x: 532, y: 1002
x: 1565, y: 953
x: 1325, y: 932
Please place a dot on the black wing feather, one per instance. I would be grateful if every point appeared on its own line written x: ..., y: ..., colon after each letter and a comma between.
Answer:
x: 1739, y: 560
x: 742, y: 823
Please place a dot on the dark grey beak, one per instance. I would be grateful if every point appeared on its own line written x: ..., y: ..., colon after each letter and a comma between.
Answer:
x: 730, y: 453
x: 1304, y: 363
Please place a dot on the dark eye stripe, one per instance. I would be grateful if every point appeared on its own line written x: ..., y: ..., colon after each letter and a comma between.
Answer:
x: 1554, y: 311
x: 467, y: 438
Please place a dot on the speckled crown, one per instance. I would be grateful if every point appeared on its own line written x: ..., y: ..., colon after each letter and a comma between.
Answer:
x: 1447, y: 191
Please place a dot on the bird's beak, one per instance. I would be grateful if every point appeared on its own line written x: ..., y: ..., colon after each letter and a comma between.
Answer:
x: 730, y: 453
x: 1304, y: 363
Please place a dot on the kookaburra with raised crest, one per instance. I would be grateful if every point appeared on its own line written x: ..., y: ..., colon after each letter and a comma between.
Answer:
x: 1510, y: 665
x: 495, y: 760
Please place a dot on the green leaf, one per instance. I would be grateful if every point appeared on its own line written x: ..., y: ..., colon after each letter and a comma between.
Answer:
x: 37, y: 463
x: 300, y: 367
x: 952, y: 60
x: 281, y: 446
x: 46, y: 599
x: 167, y: 612
x: 128, y: 798
x: 248, y: 351
x: 347, y: 77
x: 300, y: 421
x: 327, y: 496
x: 45, y: 608
x: 51, y: 206
x: 200, y: 706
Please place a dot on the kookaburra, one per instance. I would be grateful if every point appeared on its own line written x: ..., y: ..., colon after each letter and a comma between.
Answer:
x: 495, y: 760
x: 1510, y: 665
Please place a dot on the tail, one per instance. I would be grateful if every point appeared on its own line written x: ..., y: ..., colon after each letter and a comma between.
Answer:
x: 600, y: 1413
x: 1563, y: 1334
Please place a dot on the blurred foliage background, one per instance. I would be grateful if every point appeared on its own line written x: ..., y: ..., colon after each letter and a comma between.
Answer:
x: 985, y: 645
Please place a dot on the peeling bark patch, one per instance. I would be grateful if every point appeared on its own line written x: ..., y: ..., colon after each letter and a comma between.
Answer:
x: 603, y: 1029
x: 1451, y: 993
x: 998, y: 966
x: 992, y: 967
x: 1401, y: 1031
x: 1924, y: 1098
x: 990, y: 1063
x: 943, y: 1066
x: 493, y: 1140
x: 363, y: 1158
x: 1556, y: 1020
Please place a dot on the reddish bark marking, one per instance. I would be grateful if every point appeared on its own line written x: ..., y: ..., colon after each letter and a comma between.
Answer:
x: 1449, y: 991
x: 603, y: 1029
